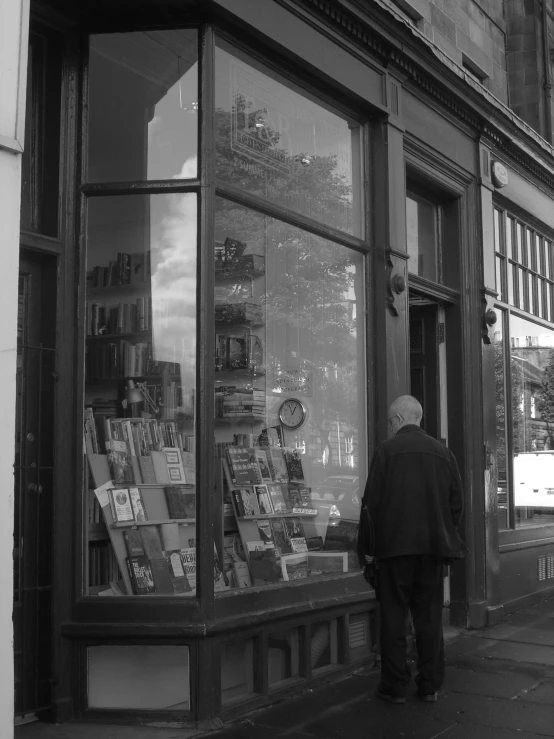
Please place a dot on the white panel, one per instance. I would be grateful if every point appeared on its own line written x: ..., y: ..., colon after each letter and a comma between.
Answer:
x: 14, y: 24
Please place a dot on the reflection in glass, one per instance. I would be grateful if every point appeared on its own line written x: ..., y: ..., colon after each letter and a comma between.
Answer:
x: 141, y: 382
x: 289, y: 325
x: 499, y: 290
x: 532, y: 381
x: 501, y: 443
x: 143, y: 106
x: 421, y: 225
x: 509, y: 232
x: 277, y: 143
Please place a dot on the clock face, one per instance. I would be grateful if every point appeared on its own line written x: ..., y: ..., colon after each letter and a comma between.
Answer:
x: 292, y: 413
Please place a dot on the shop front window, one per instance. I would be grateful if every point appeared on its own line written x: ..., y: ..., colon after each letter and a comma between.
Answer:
x: 277, y: 143
x: 532, y: 400
x: 501, y: 437
x: 422, y: 232
x: 289, y: 349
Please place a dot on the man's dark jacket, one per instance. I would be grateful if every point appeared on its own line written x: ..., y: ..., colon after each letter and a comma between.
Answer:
x: 414, y: 496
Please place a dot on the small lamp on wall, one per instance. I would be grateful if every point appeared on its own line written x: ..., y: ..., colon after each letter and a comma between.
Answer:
x: 138, y: 394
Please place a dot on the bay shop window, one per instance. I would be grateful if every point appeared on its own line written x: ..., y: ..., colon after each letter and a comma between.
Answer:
x: 288, y: 366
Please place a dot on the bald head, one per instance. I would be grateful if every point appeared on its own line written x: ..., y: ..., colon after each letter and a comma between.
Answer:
x: 408, y: 408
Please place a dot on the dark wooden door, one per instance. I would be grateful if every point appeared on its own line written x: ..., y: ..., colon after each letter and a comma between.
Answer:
x: 424, y: 367
x: 33, y: 474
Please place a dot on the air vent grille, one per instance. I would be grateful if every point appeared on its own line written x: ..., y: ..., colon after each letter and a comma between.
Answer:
x: 357, y: 635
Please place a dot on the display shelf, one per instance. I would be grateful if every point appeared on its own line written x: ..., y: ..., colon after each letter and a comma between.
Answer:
x: 154, y: 522
x: 127, y: 334
x: 276, y: 515
x: 244, y: 418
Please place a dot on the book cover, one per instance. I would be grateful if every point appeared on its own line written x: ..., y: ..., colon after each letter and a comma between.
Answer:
x: 277, y: 498
x: 133, y: 543
x: 241, y: 574
x: 294, y: 528
x: 188, y: 560
x: 279, y: 467
x: 264, y: 499
x: 245, y: 502
x: 119, y: 461
x: 160, y: 574
x: 189, y: 503
x: 174, y: 463
x: 151, y: 542
x: 293, y: 461
x: 294, y: 566
x: 189, y: 465
x: 314, y: 543
x: 279, y: 537
x: 298, y: 544
x: 137, y: 504
x: 322, y: 563
x: 265, y: 532
x: 264, y: 567
x: 170, y: 536
x: 177, y: 573
x: 220, y: 578
x: 263, y: 464
x: 243, y: 466
x: 121, y: 505
x: 175, y: 503
x: 147, y: 470
x: 300, y: 496
x: 141, y: 575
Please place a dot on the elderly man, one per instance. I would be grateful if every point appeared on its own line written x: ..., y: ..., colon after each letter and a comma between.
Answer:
x: 414, y: 497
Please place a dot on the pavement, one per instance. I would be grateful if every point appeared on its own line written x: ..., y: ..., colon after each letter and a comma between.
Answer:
x: 499, y: 685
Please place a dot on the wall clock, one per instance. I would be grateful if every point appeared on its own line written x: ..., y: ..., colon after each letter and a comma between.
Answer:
x: 292, y: 413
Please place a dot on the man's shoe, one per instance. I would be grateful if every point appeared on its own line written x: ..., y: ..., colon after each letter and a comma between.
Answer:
x: 385, y: 695
x: 428, y: 697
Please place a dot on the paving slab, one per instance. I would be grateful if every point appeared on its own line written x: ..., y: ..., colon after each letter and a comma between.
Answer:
x: 498, y: 685
x: 527, y: 635
x: 39, y: 730
x: 463, y: 731
x: 500, y: 713
x: 541, y: 692
x: 517, y: 652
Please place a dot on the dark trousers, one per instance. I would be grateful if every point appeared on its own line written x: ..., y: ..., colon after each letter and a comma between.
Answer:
x: 413, y: 583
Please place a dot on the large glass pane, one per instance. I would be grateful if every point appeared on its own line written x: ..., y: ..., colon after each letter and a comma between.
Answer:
x: 532, y: 381
x: 422, y: 236
x: 143, y: 106
x: 511, y: 252
x: 501, y: 441
x: 498, y: 244
x: 521, y: 251
x: 499, y: 261
x: 290, y: 420
x: 140, y: 391
x: 510, y: 283
x: 274, y: 141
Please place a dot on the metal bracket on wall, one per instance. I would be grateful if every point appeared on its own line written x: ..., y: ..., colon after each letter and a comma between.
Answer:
x: 396, y: 285
x: 488, y: 315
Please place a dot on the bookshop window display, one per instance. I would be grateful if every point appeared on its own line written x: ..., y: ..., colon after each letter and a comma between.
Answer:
x: 289, y: 347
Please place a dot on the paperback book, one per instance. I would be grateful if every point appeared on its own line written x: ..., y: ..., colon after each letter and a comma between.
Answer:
x: 263, y: 463
x: 119, y: 460
x: 245, y: 501
x: 120, y: 502
x: 277, y: 498
x: 137, y: 503
x: 279, y: 537
x: 294, y: 566
x: 141, y: 575
x: 278, y: 465
x: 265, y: 532
x: 243, y: 466
x: 264, y: 566
x: 264, y: 499
x: 293, y: 461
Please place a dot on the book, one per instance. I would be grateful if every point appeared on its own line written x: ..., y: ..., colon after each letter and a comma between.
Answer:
x: 263, y: 464
x: 169, y: 533
x: 300, y: 496
x: 279, y: 537
x: 147, y: 470
x: 264, y: 499
x: 294, y: 566
x: 133, y: 543
x: 294, y: 528
x: 189, y: 465
x: 177, y: 573
x: 241, y: 574
x: 243, y: 466
x: 175, y: 501
x: 160, y: 574
x: 293, y: 460
x: 322, y: 563
x: 278, y: 465
x: 189, y: 502
x: 175, y: 468
x: 141, y: 575
x: 314, y: 543
x: 298, y: 544
x: 220, y: 578
x: 188, y: 560
x: 119, y: 460
x: 137, y: 504
x: 254, y: 546
x: 277, y: 498
x: 120, y: 502
x: 265, y: 532
x: 151, y: 542
x: 264, y: 567
x: 245, y: 502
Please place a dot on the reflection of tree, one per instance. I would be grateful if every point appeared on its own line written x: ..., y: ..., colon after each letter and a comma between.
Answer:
x: 500, y: 409
x: 310, y: 290
x: 545, y: 400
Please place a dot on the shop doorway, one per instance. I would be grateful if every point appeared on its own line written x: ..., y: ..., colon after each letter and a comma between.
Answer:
x: 428, y: 363
x: 33, y: 475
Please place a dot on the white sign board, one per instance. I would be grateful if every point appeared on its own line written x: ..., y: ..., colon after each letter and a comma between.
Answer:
x: 14, y: 34
x: 534, y: 479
